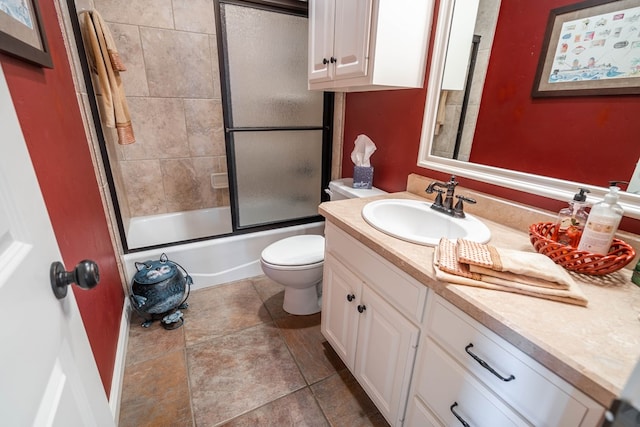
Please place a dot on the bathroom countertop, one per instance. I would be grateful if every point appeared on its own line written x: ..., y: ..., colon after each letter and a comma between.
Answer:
x: 594, y: 348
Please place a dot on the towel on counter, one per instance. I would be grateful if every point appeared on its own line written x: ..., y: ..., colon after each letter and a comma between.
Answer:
x: 526, y: 267
x: 106, y: 63
x: 450, y: 268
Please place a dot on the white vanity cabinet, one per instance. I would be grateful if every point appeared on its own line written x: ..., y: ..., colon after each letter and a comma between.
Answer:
x: 370, y: 316
x: 368, y: 44
x: 465, y: 370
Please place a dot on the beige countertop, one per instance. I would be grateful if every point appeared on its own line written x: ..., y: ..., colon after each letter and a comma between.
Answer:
x: 594, y: 348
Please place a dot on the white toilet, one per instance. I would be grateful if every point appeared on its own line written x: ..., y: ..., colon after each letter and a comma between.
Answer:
x: 296, y: 262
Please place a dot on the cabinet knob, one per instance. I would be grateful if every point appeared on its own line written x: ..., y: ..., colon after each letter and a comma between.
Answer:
x: 362, y: 308
x: 333, y: 60
x: 351, y: 297
x: 325, y: 61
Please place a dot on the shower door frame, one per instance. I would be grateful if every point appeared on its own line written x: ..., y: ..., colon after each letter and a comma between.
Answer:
x: 291, y: 7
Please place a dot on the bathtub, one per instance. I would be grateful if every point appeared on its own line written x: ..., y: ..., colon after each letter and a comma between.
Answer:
x: 226, y: 259
x: 174, y: 227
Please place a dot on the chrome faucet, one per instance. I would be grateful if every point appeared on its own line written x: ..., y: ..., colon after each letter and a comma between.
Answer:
x: 447, y: 206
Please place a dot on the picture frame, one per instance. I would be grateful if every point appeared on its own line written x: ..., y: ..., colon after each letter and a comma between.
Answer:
x: 21, y: 32
x: 590, y: 48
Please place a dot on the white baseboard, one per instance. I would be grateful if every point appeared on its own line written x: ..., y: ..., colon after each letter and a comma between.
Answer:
x: 121, y: 358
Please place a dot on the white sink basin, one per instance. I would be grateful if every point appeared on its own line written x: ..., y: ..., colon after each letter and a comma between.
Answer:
x: 415, y: 221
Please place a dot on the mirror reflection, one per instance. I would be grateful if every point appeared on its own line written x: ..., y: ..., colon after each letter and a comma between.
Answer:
x: 493, y: 120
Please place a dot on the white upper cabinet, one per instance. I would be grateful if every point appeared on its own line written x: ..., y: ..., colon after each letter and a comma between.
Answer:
x: 360, y: 45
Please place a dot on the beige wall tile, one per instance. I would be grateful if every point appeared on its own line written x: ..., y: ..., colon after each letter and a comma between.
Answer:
x: 160, y: 129
x: 204, y: 167
x: 204, y: 127
x: 194, y: 15
x: 127, y: 40
x: 178, y: 64
x: 213, y: 45
x: 145, y: 191
x: 181, y: 186
x: 151, y: 13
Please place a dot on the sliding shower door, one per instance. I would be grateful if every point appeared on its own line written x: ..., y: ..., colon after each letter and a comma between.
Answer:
x: 277, y: 132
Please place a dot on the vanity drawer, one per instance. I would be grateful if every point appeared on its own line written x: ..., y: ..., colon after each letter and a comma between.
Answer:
x: 535, y: 392
x: 405, y: 293
x: 449, y: 388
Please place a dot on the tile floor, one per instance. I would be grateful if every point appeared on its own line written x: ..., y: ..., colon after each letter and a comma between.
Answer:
x: 239, y: 360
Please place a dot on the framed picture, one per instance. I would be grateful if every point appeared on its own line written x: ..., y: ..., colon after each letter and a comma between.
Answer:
x: 21, y: 32
x: 590, y: 48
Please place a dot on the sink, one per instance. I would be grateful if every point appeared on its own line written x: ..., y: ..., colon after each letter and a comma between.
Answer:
x: 415, y: 221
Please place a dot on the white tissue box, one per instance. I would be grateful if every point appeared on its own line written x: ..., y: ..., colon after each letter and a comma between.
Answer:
x: 362, y: 176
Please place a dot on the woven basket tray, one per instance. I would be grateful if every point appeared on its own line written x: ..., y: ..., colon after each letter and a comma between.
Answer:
x: 620, y: 253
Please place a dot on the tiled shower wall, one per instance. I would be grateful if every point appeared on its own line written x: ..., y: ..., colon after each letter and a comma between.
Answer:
x: 173, y: 89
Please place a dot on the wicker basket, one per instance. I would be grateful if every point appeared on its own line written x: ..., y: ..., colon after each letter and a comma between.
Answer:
x: 620, y: 253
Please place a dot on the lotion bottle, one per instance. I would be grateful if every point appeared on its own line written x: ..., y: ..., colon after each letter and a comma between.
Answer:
x: 602, y: 224
x: 571, y: 220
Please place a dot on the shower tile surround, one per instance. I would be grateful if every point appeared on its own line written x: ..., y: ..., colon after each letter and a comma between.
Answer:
x: 173, y: 89
x: 239, y: 360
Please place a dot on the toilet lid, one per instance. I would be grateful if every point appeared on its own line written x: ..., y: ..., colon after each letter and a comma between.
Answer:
x: 296, y: 250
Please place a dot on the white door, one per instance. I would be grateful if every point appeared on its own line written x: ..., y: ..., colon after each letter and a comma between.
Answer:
x: 386, y: 350
x: 321, y: 18
x: 352, y: 32
x: 48, y: 376
x: 340, y: 298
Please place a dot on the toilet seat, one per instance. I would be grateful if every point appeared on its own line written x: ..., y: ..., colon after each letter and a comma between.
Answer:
x: 305, y: 251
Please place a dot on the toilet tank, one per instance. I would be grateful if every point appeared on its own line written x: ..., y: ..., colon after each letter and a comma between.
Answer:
x: 341, y: 189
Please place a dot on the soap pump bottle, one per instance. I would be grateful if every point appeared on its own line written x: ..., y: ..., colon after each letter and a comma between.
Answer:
x: 602, y: 224
x: 571, y: 220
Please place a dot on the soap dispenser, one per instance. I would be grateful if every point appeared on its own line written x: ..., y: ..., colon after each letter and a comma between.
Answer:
x: 571, y: 220
x: 602, y: 224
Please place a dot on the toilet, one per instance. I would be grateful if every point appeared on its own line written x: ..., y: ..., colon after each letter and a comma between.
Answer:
x: 296, y: 262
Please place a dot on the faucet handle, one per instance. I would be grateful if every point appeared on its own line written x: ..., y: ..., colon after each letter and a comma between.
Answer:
x: 458, y: 210
x: 438, y: 199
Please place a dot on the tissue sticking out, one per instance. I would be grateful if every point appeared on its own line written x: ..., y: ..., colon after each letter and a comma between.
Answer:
x: 362, y: 170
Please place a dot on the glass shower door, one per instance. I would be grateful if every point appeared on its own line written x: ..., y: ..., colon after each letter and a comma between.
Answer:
x: 277, y: 135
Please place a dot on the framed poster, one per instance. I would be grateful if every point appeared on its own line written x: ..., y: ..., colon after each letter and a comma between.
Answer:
x: 21, y: 32
x: 590, y: 48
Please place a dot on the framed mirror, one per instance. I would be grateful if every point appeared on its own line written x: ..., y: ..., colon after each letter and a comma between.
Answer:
x: 556, y: 172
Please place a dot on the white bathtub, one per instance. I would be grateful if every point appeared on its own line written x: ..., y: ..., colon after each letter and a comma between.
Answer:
x: 226, y: 259
x: 174, y: 227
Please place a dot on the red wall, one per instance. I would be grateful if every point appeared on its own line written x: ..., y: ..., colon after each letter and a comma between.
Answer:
x: 48, y: 112
x: 393, y: 120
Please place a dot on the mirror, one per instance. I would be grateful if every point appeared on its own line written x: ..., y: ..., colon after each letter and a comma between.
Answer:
x: 560, y: 184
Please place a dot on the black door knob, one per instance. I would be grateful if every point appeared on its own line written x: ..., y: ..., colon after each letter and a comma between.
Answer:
x: 85, y: 275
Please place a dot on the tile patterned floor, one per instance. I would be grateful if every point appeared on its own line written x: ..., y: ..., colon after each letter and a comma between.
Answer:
x: 239, y: 360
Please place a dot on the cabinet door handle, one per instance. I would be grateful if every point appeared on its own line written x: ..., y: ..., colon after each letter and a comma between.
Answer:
x: 486, y: 365
x: 325, y: 61
x: 453, y: 411
x: 362, y: 308
x: 333, y: 60
x: 351, y: 297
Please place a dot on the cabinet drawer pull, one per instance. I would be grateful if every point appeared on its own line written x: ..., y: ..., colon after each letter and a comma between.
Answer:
x: 351, y: 297
x: 486, y: 365
x: 362, y: 308
x: 453, y: 411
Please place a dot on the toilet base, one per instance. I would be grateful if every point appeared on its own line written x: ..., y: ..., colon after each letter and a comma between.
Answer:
x: 301, y: 301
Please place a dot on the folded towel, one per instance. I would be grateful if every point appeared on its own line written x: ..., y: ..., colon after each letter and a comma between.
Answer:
x: 449, y: 269
x: 105, y: 62
x: 526, y: 267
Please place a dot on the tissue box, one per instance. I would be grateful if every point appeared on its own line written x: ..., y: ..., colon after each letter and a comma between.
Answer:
x: 362, y: 176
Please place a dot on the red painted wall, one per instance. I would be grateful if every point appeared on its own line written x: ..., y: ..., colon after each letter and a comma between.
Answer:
x: 48, y: 112
x: 393, y: 120
x: 576, y: 127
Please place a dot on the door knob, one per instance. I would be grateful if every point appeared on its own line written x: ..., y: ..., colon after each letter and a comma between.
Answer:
x: 85, y: 275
